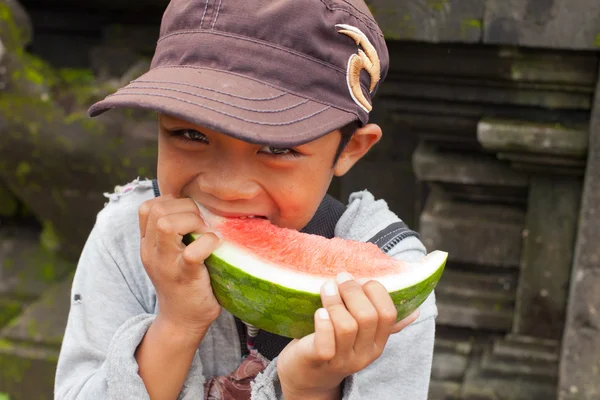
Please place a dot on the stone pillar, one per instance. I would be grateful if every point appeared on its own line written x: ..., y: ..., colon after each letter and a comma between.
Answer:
x: 547, y: 256
x: 524, y: 364
x: 552, y: 209
x: 580, y: 358
x: 502, y: 144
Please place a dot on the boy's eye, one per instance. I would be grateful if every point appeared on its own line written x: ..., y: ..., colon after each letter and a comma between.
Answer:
x: 277, y: 151
x: 191, y: 134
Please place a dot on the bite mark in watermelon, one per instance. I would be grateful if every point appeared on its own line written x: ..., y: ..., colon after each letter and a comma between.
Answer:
x: 271, y: 277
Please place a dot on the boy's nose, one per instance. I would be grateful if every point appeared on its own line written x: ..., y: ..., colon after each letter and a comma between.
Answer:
x: 228, y: 186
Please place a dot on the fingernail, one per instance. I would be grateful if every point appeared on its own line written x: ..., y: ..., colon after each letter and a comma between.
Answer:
x: 217, y: 234
x: 322, y: 313
x: 343, y: 277
x: 330, y: 288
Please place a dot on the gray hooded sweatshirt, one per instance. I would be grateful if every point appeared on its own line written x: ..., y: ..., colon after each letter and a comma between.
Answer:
x: 113, y: 303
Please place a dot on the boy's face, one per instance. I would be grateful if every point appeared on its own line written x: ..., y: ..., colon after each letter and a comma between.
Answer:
x: 234, y: 178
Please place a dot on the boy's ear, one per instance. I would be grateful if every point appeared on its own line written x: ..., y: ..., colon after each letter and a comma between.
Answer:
x: 360, y: 143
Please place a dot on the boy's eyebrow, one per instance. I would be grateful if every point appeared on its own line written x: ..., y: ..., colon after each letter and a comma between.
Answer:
x: 177, y: 125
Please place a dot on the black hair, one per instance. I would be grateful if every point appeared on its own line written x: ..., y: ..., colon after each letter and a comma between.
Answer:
x: 347, y: 133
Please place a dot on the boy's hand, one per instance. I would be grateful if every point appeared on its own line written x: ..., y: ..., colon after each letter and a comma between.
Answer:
x: 350, y: 333
x: 185, y: 298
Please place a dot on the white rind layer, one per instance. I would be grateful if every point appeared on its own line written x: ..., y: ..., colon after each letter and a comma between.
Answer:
x: 243, y: 259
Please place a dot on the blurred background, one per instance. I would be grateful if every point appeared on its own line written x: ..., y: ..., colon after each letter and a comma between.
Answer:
x: 491, y: 115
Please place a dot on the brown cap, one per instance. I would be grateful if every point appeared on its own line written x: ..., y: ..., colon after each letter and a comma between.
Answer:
x: 280, y: 72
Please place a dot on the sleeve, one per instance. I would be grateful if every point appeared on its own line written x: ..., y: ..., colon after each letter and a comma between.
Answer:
x: 402, y: 372
x: 107, y: 320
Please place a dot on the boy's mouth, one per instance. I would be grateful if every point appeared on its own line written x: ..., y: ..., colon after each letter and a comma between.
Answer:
x: 226, y: 214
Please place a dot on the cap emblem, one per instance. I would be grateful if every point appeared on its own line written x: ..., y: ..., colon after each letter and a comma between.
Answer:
x: 366, y: 59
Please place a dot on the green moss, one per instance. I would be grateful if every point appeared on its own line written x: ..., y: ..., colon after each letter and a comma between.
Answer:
x: 4, y: 396
x: 9, y: 309
x: 50, y: 266
x: 23, y: 169
x: 90, y: 125
x: 437, y: 5
x: 13, y: 369
x: 49, y: 238
x: 32, y: 328
x: 34, y: 76
x: 9, y: 31
x: 9, y: 205
x: 14, y: 107
x: 48, y: 273
x: 76, y: 87
x: 33, y: 128
x: 73, y: 76
x: 472, y: 23
x: 5, y: 344
x: 66, y: 143
x: 402, y: 28
x: 8, y: 263
x: 597, y: 41
x: 468, y: 25
x: 35, y: 71
x: 371, y: 7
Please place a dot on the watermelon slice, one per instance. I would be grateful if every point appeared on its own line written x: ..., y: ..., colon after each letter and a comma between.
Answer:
x: 271, y: 277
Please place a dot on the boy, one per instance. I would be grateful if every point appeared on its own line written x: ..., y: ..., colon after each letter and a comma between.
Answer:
x: 260, y: 104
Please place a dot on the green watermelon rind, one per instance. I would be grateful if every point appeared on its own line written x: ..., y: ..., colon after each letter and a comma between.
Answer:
x: 286, y: 311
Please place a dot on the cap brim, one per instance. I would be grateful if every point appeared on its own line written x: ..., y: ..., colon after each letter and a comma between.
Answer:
x: 229, y: 103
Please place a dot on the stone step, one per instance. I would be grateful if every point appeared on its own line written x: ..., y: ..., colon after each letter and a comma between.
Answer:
x: 481, y: 234
x: 428, y: 119
x: 42, y: 322
x: 488, y: 378
x: 546, y: 344
x: 467, y: 91
x: 450, y: 359
x: 450, y: 109
x: 512, y: 196
x: 506, y: 135
x: 474, y: 314
x: 547, y: 165
x: 459, y: 346
x: 470, y: 176
x: 433, y: 165
x: 30, y: 345
x: 444, y: 390
x: 515, y: 388
x: 477, y: 300
x: 492, y: 366
x: 27, y: 371
x: 519, y: 351
x: 27, y: 267
x: 493, y: 63
x: 481, y: 285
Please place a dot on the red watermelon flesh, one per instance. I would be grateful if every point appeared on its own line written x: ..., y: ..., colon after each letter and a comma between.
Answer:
x: 312, y: 254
